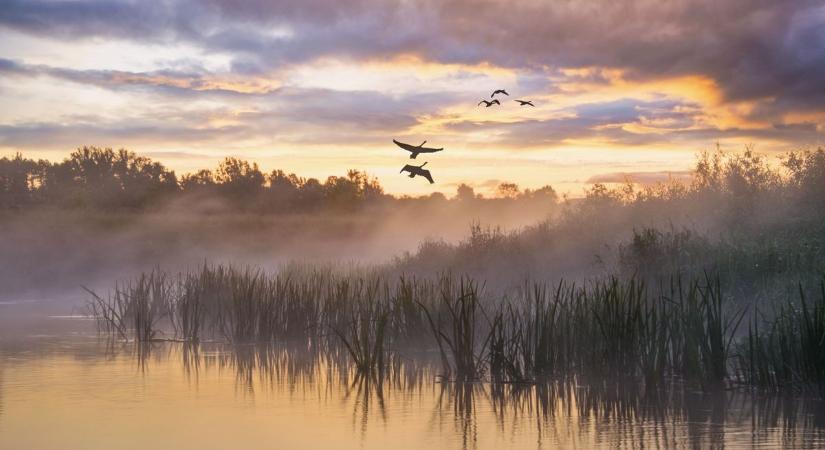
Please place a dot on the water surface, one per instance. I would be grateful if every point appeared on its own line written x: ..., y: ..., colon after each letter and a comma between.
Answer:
x: 70, y: 390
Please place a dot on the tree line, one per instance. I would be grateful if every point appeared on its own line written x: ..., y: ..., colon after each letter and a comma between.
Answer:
x: 103, y: 178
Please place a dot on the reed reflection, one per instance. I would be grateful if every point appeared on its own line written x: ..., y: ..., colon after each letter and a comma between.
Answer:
x: 621, y: 413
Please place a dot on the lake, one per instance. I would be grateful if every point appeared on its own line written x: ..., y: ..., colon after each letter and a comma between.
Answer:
x: 63, y: 387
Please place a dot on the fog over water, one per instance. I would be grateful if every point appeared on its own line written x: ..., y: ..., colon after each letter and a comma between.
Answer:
x: 611, y: 235
x: 57, y: 252
x: 743, y: 236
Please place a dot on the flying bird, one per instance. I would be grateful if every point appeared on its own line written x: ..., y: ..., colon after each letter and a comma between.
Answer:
x: 489, y: 104
x: 499, y: 91
x: 525, y: 102
x: 416, y: 149
x: 418, y: 170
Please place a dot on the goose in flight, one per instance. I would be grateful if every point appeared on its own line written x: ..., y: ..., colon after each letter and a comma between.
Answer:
x: 418, y: 170
x: 416, y: 149
x: 499, y: 91
x: 489, y: 104
x: 525, y: 102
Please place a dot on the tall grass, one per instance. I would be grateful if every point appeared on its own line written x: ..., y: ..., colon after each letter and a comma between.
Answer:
x: 615, y: 328
x: 187, y: 316
x: 704, y: 331
x: 136, y: 307
x: 787, y: 350
x: 365, y: 337
x: 456, y: 329
x: 686, y: 330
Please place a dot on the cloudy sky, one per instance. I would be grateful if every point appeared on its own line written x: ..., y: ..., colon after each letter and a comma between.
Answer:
x: 320, y: 86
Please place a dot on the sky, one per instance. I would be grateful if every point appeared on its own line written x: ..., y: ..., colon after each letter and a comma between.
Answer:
x: 317, y: 87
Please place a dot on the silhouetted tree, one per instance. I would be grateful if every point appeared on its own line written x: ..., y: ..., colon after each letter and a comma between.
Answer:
x: 200, y: 180
x: 807, y: 176
x: 283, y: 190
x: 508, y: 190
x: 341, y: 193
x: 311, y: 194
x: 239, y: 180
x: 20, y: 179
x: 437, y: 197
x: 352, y: 191
x: 105, y: 178
x: 544, y: 194
x: 465, y: 193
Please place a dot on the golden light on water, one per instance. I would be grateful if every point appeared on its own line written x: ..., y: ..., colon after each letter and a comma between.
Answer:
x: 79, y: 396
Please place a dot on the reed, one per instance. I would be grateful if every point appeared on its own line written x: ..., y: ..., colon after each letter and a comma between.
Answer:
x: 136, y: 307
x: 109, y: 313
x: 409, y: 321
x: 188, y: 310
x: 365, y: 336
x: 703, y: 331
x: 508, y: 360
x: 656, y: 340
x: 456, y: 329
x: 786, y: 350
x: 543, y: 351
x: 605, y: 328
x: 617, y: 310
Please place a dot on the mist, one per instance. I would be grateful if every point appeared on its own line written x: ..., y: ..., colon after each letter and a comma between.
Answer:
x: 55, y: 252
x: 739, y: 214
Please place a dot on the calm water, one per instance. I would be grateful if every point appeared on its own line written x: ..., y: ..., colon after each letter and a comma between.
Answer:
x: 68, y: 390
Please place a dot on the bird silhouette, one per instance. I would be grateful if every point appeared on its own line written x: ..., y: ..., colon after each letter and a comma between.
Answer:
x: 416, y: 149
x: 525, y: 102
x: 489, y: 104
x: 499, y: 91
x: 417, y: 170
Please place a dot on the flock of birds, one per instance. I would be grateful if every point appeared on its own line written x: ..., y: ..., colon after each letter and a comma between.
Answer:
x: 415, y: 150
x: 495, y: 101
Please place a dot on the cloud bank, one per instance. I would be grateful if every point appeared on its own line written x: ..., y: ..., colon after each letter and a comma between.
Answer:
x: 257, y: 74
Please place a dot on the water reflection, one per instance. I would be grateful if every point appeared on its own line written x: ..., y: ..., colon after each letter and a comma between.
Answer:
x: 457, y: 403
x: 366, y: 393
x: 301, y: 387
x: 1, y: 392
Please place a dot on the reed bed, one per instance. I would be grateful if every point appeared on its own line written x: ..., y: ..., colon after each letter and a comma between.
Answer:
x: 246, y: 305
x: 615, y: 328
x: 685, y: 331
x: 786, y: 350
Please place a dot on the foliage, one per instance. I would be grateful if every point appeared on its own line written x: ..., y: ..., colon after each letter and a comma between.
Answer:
x: 107, y: 179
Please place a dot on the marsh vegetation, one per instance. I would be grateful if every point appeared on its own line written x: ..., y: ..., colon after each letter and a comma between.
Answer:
x: 637, y: 315
x: 687, y: 330
x: 712, y: 282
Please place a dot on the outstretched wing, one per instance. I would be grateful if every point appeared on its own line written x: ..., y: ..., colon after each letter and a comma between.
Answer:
x: 496, y: 102
x: 407, y: 147
x: 416, y: 150
x: 426, y: 174
x: 408, y: 168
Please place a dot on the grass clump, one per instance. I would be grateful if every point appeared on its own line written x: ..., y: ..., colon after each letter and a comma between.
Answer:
x: 136, y: 307
x: 456, y: 329
x: 365, y: 336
